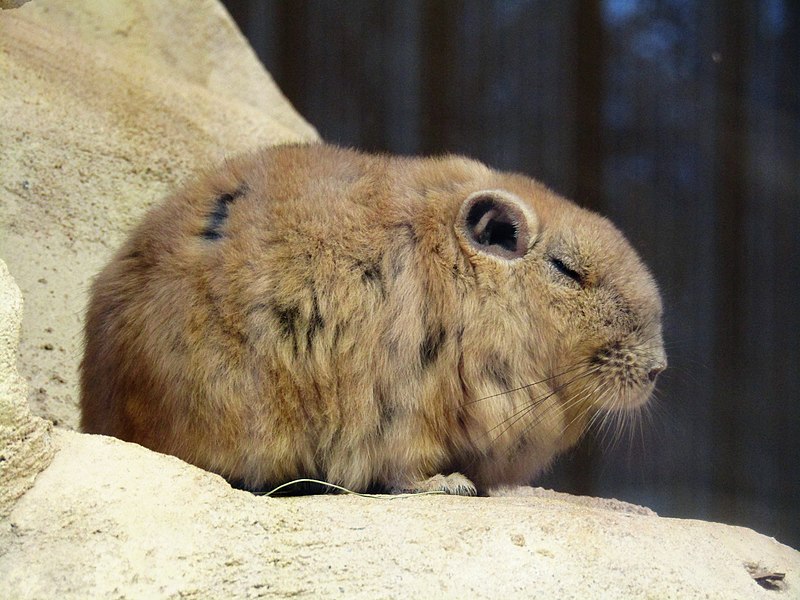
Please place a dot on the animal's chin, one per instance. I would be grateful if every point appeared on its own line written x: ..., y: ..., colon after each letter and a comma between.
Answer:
x: 629, y: 399
x: 644, y: 397
x: 613, y: 397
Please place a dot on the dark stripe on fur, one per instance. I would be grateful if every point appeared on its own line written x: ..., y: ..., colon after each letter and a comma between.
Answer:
x: 219, y: 214
x: 315, y: 323
x: 372, y: 274
x: 287, y: 317
x: 431, y: 346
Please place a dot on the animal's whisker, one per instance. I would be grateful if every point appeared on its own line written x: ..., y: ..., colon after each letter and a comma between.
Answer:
x: 580, y: 399
x: 672, y: 344
x: 574, y: 367
x: 532, y: 405
x: 561, y: 408
x: 641, y: 415
x: 604, y: 424
x: 598, y: 415
x: 643, y: 343
x: 619, y: 419
x: 537, y: 419
x: 682, y: 374
x: 529, y: 408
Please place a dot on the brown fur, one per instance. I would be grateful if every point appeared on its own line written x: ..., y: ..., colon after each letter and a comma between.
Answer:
x: 335, y: 320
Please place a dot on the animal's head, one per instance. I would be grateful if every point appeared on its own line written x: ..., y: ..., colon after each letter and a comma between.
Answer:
x: 556, y: 300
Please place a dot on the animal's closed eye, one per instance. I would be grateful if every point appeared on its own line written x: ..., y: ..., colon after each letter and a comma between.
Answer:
x: 566, y: 271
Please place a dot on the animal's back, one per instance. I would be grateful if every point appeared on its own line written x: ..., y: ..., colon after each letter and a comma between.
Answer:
x: 245, y: 324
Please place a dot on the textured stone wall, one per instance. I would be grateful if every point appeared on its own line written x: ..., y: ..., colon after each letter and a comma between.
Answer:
x: 104, y: 107
x: 25, y: 446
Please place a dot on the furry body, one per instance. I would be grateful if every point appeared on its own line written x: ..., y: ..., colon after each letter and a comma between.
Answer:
x: 309, y: 311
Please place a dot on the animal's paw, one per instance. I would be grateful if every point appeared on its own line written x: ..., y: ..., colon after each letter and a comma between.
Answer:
x: 455, y: 484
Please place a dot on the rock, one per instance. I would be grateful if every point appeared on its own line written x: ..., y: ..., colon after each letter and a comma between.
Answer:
x: 105, y: 106
x: 111, y: 519
x: 25, y: 447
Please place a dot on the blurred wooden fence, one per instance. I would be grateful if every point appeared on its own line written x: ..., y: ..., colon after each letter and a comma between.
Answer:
x: 678, y: 119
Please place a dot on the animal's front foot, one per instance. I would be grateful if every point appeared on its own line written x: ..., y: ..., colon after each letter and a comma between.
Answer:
x: 455, y: 484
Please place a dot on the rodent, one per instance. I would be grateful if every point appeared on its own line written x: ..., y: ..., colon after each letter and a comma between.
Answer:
x: 382, y: 323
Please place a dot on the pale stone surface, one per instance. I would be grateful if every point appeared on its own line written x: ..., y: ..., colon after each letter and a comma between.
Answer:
x: 104, y: 107
x: 25, y: 447
x: 112, y: 520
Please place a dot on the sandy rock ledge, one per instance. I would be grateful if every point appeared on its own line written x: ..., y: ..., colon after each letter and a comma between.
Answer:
x: 109, y: 519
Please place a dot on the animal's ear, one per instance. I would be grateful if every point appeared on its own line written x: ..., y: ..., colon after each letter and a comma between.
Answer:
x: 496, y: 222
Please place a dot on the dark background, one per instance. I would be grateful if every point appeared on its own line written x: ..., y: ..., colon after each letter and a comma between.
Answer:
x: 679, y: 119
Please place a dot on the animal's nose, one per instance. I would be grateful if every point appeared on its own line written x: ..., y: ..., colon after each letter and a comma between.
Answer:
x: 656, y: 369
